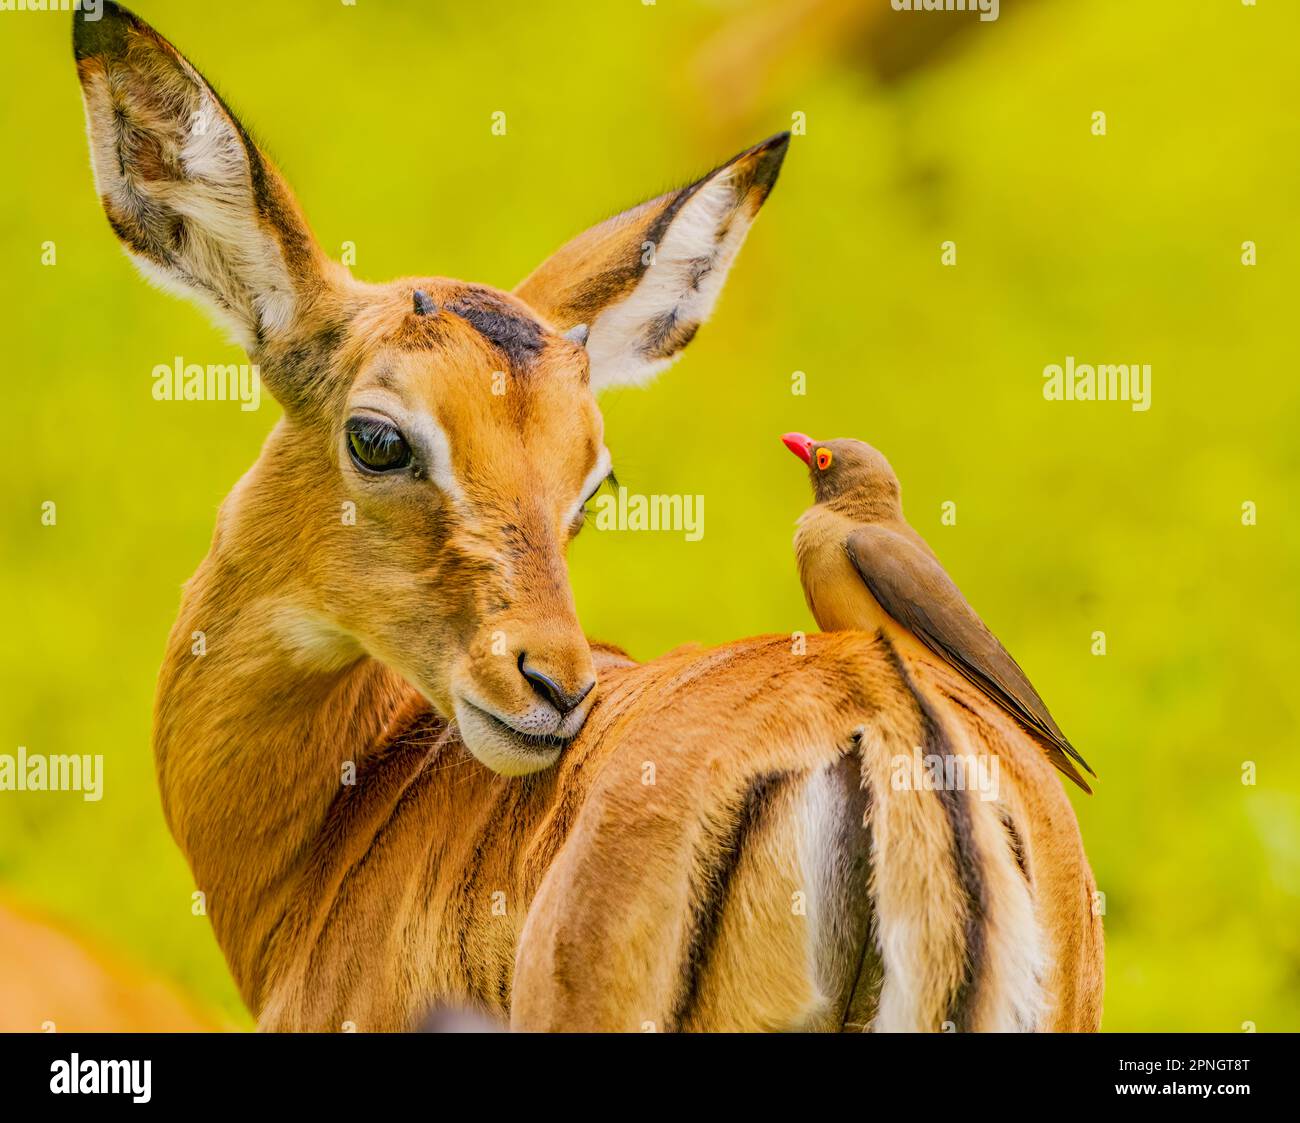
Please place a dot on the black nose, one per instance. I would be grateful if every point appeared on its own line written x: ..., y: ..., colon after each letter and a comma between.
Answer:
x: 550, y: 690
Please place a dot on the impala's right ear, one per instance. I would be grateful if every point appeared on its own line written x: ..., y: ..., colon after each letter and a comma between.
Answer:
x: 643, y: 281
x: 198, y: 207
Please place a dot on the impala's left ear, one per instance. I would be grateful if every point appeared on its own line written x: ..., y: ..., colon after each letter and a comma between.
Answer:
x: 645, y: 280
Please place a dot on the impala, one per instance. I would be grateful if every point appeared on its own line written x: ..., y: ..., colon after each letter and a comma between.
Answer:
x: 401, y: 774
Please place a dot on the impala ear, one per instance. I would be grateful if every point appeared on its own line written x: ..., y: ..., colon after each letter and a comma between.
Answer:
x: 189, y: 195
x: 646, y: 279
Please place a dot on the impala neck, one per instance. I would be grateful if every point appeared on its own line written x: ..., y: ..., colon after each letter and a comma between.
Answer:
x: 261, y: 716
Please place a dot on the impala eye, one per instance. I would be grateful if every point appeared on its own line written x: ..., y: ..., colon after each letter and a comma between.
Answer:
x: 580, y: 516
x: 607, y: 480
x: 377, y: 446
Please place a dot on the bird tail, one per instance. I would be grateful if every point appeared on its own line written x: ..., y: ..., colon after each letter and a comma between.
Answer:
x: 1063, y: 755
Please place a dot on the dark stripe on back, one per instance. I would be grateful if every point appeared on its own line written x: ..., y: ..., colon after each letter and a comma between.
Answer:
x: 721, y: 863
x: 862, y: 998
x: 1016, y: 842
x: 965, y: 853
x: 1014, y: 838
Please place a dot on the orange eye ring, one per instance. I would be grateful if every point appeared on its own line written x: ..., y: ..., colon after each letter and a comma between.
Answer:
x: 823, y: 459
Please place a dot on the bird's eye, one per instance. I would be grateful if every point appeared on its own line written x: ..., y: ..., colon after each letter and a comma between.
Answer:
x: 377, y: 446
x: 823, y: 459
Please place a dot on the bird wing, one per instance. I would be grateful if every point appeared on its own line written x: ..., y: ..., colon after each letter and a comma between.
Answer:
x: 916, y: 591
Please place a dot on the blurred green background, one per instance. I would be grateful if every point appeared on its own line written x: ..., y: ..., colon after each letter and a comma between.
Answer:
x: 1071, y: 517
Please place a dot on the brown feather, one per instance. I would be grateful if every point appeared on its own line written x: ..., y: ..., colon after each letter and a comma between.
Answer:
x: 916, y: 591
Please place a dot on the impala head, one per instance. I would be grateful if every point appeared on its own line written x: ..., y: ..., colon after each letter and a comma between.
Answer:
x: 439, y: 439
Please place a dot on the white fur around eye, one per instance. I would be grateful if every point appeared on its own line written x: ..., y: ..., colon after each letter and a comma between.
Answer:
x: 589, y: 485
x: 435, y: 454
x: 430, y: 445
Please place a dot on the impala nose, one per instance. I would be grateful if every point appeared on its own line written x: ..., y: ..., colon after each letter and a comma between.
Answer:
x: 546, y: 688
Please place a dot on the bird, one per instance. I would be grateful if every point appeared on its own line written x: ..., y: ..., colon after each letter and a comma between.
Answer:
x: 863, y: 567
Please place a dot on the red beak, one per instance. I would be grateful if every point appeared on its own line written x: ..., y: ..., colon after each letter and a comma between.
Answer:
x: 801, y: 445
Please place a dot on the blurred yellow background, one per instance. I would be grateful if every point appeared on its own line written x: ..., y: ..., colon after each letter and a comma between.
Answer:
x: 1072, y: 518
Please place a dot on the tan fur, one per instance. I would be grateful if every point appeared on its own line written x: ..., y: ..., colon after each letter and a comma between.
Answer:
x: 695, y: 850
x: 53, y: 979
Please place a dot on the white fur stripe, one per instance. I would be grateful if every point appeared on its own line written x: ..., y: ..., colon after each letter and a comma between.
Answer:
x: 920, y: 904
x: 671, y: 285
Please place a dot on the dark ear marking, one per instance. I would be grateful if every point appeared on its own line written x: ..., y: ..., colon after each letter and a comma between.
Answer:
x: 645, y: 279
x: 423, y: 304
x: 667, y: 334
x: 103, y: 36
